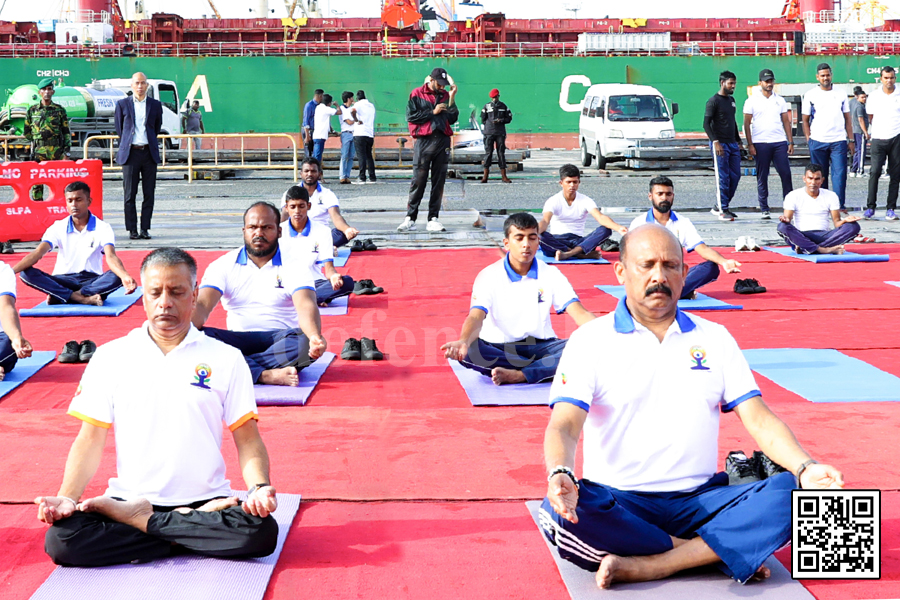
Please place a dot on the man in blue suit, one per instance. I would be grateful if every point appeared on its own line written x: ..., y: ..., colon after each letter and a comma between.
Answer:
x: 138, y: 123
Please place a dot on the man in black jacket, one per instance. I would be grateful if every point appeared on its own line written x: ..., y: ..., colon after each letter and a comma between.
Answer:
x: 494, y: 117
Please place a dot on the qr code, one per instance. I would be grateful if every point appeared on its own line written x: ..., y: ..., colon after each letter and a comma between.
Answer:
x: 836, y: 534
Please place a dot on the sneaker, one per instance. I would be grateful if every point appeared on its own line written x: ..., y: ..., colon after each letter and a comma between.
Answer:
x: 70, y: 352
x: 741, y: 245
x: 765, y: 468
x: 407, y: 225
x: 434, y: 225
x: 765, y: 216
x: 7, y: 248
x: 86, y: 351
x: 741, y: 287
x: 352, y: 350
x: 371, y: 285
x: 357, y: 246
x: 740, y: 469
x: 344, y: 181
x: 369, y: 350
x: 869, y: 213
x: 359, y: 182
x: 609, y: 245
x: 361, y: 289
x: 891, y: 216
x: 727, y: 215
x: 715, y: 210
x: 369, y: 245
x: 751, y: 243
x: 754, y: 285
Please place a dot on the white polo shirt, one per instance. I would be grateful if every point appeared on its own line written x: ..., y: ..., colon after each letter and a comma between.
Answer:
x: 311, y: 247
x: 826, y: 109
x: 886, y: 110
x: 566, y: 218
x: 257, y: 299
x: 7, y: 281
x: 767, y: 126
x: 518, y: 307
x: 653, y: 408
x: 168, y: 426
x: 812, y: 214
x: 322, y: 121
x: 680, y: 225
x: 319, y: 202
x: 79, y: 251
x: 365, y: 112
x: 345, y: 115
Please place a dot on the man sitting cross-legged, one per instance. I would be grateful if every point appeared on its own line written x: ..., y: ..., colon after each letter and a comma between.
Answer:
x: 266, y: 298
x: 812, y: 222
x: 562, y: 224
x: 508, y: 335
x: 13, y: 344
x: 645, y: 385
x: 324, y: 206
x: 167, y: 388
x: 81, y: 240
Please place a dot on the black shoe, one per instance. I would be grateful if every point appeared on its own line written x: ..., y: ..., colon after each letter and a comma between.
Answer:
x: 70, y: 352
x: 357, y: 246
x: 740, y: 469
x: 351, y: 350
x: 757, y: 289
x: 609, y: 245
x: 133, y: 235
x: 369, y: 245
x: 145, y: 235
x: 741, y: 287
x: 7, y: 248
x: 727, y: 214
x: 369, y: 350
x: 361, y: 289
x: 86, y: 351
x: 371, y: 285
x: 765, y: 468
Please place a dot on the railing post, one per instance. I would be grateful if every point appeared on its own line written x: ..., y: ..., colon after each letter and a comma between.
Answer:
x: 190, y: 159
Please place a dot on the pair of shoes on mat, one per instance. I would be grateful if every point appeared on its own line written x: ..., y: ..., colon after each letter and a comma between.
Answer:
x: 609, y: 245
x: 364, y: 349
x: 861, y: 239
x: 73, y: 352
x: 360, y: 245
x: 748, y: 286
x: 366, y: 287
x: 741, y: 469
x: 745, y: 243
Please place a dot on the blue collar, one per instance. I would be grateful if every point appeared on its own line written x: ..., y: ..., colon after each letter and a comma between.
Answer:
x: 242, y: 257
x: 652, y: 219
x: 91, y: 226
x: 294, y: 233
x: 624, y: 322
x: 513, y: 276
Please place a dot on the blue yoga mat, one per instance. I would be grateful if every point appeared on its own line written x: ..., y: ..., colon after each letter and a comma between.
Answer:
x: 828, y: 258
x: 285, y: 395
x: 482, y: 391
x: 702, y: 302
x: 341, y: 256
x: 335, y: 308
x: 25, y: 368
x: 575, y: 261
x: 824, y: 375
x: 115, y: 304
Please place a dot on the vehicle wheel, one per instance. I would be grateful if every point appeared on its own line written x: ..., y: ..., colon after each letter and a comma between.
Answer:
x: 585, y: 157
x: 170, y: 144
x: 601, y: 160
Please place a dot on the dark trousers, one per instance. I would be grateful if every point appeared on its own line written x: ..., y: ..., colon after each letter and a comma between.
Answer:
x: 430, y: 155
x: 265, y: 350
x: 743, y: 524
x: 60, y: 287
x: 8, y: 358
x: 882, y: 149
x: 93, y: 540
x: 698, y: 276
x: 309, y: 146
x: 338, y: 238
x: 566, y: 241
x: 490, y: 141
x: 859, y: 157
x: 766, y: 154
x: 140, y: 167
x: 729, y: 165
x: 832, y: 156
x: 325, y: 293
x: 537, y: 359
x: 364, y: 145
x: 807, y: 242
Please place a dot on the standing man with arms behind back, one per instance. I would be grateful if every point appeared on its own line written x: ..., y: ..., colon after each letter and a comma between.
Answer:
x: 725, y: 142
x: 309, y: 122
x: 138, y: 123
x: 494, y: 117
x: 364, y: 136
x: 47, y: 128
x: 883, y: 108
x: 859, y: 121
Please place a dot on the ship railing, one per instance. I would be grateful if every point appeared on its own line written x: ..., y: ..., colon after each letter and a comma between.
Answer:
x: 203, y: 161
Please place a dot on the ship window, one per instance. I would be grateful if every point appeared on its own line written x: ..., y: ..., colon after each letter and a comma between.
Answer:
x: 637, y: 108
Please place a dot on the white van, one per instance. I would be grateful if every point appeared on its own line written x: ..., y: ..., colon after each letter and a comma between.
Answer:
x: 615, y: 116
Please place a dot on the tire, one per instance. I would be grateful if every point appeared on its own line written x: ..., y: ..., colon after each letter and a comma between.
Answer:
x: 585, y: 157
x: 601, y: 160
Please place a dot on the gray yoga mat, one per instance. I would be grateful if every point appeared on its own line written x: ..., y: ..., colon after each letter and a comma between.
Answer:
x: 283, y: 395
x: 335, y: 308
x: 482, y: 391
x: 706, y: 585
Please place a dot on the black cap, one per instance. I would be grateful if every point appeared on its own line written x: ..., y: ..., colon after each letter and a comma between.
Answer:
x: 440, y: 75
x: 766, y: 74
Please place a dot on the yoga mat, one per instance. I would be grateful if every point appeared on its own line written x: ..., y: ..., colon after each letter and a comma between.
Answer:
x: 335, y: 308
x: 187, y: 577
x: 828, y: 258
x: 824, y: 375
x: 482, y: 391
x: 708, y: 584
x: 115, y: 304
x: 896, y: 283
x: 703, y: 302
x: 341, y: 256
x: 285, y: 395
x: 25, y: 368
x: 550, y: 260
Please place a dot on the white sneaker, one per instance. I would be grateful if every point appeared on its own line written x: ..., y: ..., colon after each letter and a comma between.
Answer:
x: 715, y: 210
x: 741, y: 245
x: 434, y: 225
x: 765, y: 216
x: 407, y: 225
x: 752, y: 245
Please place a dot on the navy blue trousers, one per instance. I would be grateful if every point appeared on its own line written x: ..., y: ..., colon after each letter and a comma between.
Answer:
x: 264, y: 350
x: 743, y: 524
x: 325, y: 293
x: 698, y: 276
x: 766, y: 155
x: 729, y: 165
x: 858, y: 163
x: 807, y: 242
x: 338, y: 238
x: 60, y: 287
x: 8, y: 358
x: 833, y: 156
x: 566, y: 241
x: 537, y: 359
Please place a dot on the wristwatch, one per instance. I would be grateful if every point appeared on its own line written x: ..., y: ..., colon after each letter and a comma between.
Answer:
x: 256, y: 487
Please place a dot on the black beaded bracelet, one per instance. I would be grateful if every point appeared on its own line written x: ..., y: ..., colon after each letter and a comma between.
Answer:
x: 565, y: 470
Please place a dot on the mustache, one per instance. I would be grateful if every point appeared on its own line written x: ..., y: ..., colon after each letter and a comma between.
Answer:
x: 658, y: 287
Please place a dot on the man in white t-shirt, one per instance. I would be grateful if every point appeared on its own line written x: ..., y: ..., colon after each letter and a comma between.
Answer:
x: 812, y: 222
x: 883, y: 108
x: 265, y: 298
x: 325, y: 208
x: 322, y: 122
x: 348, y: 124
x: 662, y: 196
x: 645, y: 385
x: 507, y: 335
x: 13, y: 344
x: 562, y: 225
x: 767, y: 125
x: 826, y: 125
x: 168, y: 389
x: 81, y: 240
x: 364, y: 136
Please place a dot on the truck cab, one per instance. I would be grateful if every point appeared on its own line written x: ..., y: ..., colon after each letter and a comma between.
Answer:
x: 163, y: 90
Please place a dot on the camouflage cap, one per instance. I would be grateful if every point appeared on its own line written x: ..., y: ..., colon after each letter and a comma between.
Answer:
x: 46, y: 81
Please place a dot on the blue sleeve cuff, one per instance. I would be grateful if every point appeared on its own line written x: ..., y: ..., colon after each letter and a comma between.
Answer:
x: 582, y: 405
x: 731, y: 405
x: 8, y: 294
x: 319, y: 262
x: 303, y: 287
x: 691, y: 249
x: 480, y: 308
x: 48, y: 242
x: 566, y: 305
x: 213, y: 287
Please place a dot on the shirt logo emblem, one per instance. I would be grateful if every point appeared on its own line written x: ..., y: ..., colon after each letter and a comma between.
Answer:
x: 540, y: 295
x: 202, y: 373
x: 698, y: 355
x: 316, y: 247
x: 278, y: 282
x: 562, y: 377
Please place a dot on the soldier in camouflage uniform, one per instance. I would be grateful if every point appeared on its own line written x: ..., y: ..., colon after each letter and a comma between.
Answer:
x: 47, y: 128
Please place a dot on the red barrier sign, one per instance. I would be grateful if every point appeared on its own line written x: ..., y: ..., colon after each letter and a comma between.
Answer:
x: 26, y: 220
